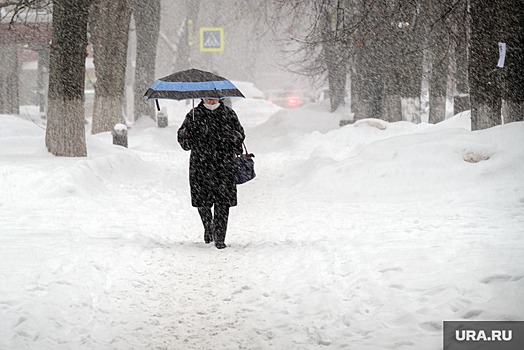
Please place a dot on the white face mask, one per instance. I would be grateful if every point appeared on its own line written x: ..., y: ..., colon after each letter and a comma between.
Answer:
x: 212, y: 107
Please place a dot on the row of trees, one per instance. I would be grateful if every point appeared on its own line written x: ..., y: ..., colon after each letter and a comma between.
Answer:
x: 106, y: 24
x: 413, y: 51
x: 403, y: 57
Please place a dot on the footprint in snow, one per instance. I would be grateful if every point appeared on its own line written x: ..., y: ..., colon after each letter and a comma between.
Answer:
x: 471, y: 314
x: 20, y: 321
x: 396, y: 286
x: 431, y: 326
x: 500, y: 278
x: 391, y: 269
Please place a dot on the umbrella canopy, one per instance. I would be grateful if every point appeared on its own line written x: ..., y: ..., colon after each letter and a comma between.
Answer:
x: 192, y: 84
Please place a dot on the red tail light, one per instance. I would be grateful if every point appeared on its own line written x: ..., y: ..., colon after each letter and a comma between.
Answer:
x: 293, y: 101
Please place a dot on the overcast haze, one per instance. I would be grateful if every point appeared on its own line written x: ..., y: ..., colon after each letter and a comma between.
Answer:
x: 251, y: 53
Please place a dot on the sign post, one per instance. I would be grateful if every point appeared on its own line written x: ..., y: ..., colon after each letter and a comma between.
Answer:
x: 211, y: 39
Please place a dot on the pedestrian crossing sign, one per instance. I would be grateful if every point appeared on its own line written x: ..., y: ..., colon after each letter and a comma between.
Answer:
x: 211, y: 39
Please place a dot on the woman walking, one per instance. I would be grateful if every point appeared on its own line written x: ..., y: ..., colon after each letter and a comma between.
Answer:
x: 214, y: 135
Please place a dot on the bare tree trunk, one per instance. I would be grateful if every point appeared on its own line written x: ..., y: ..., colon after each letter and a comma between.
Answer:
x: 389, y: 62
x: 438, y: 82
x: 337, y: 77
x: 425, y: 87
x: 110, y: 27
x: 410, y: 71
x: 368, y: 87
x: 187, y: 42
x: 335, y: 53
x: 512, y: 16
x: 439, y: 41
x: 147, y: 21
x: 65, y: 132
x: 461, y: 101
x: 43, y: 79
x: 368, y: 82
x: 358, y: 104
x: 356, y: 99
x: 484, y: 77
x: 451, y: 87
x: 9, y: 79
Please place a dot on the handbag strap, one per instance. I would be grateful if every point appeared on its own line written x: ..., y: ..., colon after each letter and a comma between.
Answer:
x: 249, y: 155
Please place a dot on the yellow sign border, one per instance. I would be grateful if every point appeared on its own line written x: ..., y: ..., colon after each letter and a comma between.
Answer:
x: 211, y: 29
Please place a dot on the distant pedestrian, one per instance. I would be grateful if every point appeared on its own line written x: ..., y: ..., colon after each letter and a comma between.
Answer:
x: 214, y: 135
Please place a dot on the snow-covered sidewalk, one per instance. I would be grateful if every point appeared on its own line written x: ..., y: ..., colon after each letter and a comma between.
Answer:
x: 364, y: 237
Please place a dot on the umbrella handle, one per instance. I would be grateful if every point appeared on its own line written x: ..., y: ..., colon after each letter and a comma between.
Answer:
x: 157, y: 105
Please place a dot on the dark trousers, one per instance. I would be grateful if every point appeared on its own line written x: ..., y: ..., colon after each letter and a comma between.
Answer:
x: 216, y: 222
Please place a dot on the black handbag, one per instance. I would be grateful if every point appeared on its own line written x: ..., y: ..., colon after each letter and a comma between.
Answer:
x: 244, y: 167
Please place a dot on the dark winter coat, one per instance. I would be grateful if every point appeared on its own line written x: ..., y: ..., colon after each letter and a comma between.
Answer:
x: 214, y: 139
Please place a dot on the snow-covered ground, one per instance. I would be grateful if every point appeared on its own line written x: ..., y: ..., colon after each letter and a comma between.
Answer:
x: 362, y: 237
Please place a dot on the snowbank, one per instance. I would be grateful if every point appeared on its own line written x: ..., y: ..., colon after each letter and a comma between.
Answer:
x: 363, y: 237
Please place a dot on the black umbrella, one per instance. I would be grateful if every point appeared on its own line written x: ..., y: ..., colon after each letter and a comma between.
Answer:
x: 192, y: 84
